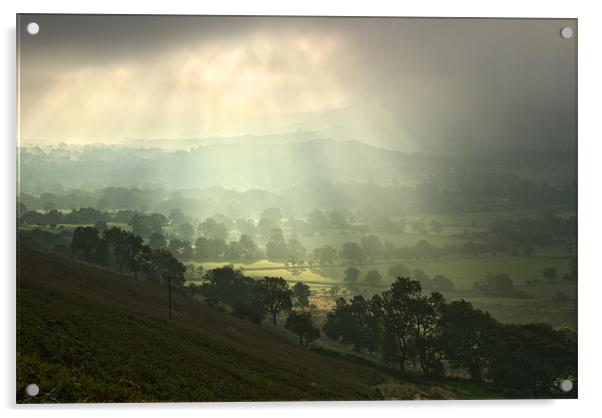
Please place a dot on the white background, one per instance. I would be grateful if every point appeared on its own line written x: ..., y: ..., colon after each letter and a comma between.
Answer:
x: 590, y: 118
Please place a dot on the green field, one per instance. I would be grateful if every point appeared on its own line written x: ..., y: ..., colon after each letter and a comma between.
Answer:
x: 463, y: 273
x: 551, y: 302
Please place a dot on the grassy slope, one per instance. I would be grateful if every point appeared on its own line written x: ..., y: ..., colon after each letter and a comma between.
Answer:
x: 87, y: 334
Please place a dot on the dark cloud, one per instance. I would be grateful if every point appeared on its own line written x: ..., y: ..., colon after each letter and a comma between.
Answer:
x: 475, y: 82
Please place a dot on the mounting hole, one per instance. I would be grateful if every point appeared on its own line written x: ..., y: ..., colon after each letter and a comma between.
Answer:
x: 33, y: 28
x: 566, y: 32
x: 566, y: 385
x: 32, y: 389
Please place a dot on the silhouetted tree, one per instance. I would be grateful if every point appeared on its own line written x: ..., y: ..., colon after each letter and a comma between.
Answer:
x: 398, y: 315
x: 300, y: 295
x: 275, y: 294
x: 101, y: 226
x: 531, y: 358
x: 352, y: 252
x: 301, y: 324
x: 276, y: 248
x: 351, y: 276
x: 146, y: 225
x: 324, y: 255
x: 157, y: 241
x: 213, y: 229
x: 354, y: 323
x: 88, y: 246
x: 442, y: 283
x: 186, y: 231
x: 373, y: 278
x: 371, y: 245
x: 398, y: 270
x: 466, y: 336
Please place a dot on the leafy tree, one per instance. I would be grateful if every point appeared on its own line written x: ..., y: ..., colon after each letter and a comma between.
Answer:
x: 531, y: 358
x: 233, y: 251
x: 157, y: 241
x: 146, y: 225
x: 371, y: 245
x: 301, y: 324
x: 398, y: 270
x: 210, y: 248
x: 246, y: 227
x: 116, y: 240
x: 186, y: 231
x: 373, y: 278
x: 251, y: 310
x: 422, y: 277
x: 466, y: 336
x: 295, y: 250
x: 175, y: 245
x: 177, y: 217
x: 135, y: 253
x: 101, y: 226
x: 354, y: 323
x: 324, y: 255
x: 442, y: 283
x: 275, y: 294
x: 248, y: 248
x: 351, y: 276
x: 266, y: 226
x: 180, y: 247
x: 162, y: 265
x: 276, y: 248
x: 53, y: 217
x: 213, y: 229
x: 230, y: 286
x: 88, y: 246
x: 352, y: 252
x: 398, y: 315
x: 300, y: 295
x: 426, y: 312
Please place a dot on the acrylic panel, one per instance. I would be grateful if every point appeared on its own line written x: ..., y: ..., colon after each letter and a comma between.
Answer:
x: 228, y: 208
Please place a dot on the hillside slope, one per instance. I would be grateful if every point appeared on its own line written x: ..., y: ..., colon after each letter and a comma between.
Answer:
x: 87, y: 334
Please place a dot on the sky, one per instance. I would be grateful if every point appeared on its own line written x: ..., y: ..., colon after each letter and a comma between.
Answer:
x: 408, y: 84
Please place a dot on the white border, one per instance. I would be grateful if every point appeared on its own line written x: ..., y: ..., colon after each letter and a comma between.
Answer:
x: 590, y: 152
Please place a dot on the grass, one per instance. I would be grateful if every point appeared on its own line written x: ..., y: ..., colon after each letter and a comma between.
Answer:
x: 85, y: 334
x: 463, y: 272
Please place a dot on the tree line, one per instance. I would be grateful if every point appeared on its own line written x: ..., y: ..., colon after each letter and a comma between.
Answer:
x: 407, y: 327
x: 254, y: 299
x: 125, y: 251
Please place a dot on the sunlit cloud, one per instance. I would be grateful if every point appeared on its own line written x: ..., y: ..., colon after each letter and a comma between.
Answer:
x: 406, y: 84
x: 218, y: 89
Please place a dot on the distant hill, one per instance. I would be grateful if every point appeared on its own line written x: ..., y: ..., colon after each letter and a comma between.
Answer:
x: 246, y: 163
x: 240, y: 165
x: 86, y: 334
